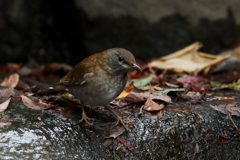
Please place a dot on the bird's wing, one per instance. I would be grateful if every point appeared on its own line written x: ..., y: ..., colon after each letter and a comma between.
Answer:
x: 78, y: 75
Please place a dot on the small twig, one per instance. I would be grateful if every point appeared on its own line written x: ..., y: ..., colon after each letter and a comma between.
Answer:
x: 140, y: 112
x: 230, y: 116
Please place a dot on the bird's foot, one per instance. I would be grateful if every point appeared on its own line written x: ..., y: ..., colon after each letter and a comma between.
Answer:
x: 86, y: 119
x: 119, y: 120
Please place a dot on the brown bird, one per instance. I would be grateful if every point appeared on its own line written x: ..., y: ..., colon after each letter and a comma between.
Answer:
x: 100, y: 78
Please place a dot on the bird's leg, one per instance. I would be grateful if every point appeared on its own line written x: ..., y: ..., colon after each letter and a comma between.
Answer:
x: 118, y: 118
x: 85, y: 117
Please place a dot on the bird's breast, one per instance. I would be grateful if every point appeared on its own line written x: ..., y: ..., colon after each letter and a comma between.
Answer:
x: 99, y: 89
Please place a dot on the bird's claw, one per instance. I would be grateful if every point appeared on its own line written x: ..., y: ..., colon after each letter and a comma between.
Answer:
x: 119, y: 120
x: 86, y: 119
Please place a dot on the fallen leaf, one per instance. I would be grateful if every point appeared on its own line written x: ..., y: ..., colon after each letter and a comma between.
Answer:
x: 171, y: 85
x: 150, y: 105
x: 11, y: 67
x: 5, y: 93
x: 36, y: 104
x: 233, y: 85
x: 162, y: 97
x: 4, y: 105
x: 228, y: 108
x: 128, y: 88
x: 10, y: 81
x: 199, y: 89
x: 123, y: 94
x: 188, y: 59
x: 224, y: 98
x: 123, y: 141
x: 193, y: 81
x: 193, y: 94
x: 166, y: 91
x: 22, y: 86
x: 115, y: 132
x: 24, y: 71
x: 142, y: 82
x: 135, y: 97
x: 149, y: 88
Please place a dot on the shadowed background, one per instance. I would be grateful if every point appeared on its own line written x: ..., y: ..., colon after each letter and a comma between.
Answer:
x: 68, y: 31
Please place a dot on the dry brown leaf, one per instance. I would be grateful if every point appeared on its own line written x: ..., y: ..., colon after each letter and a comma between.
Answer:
x: 115, y: 132
x: 162, y: 97
x: 150, y: 105
x: 36, y: 104
x: 188, y: 59
x: 4, y: 105
x: 135, y: 97
x: 10, y: 81
x: 5, y: 93
x: 228, y: 108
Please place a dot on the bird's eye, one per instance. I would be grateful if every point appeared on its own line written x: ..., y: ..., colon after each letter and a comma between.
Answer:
x: 120, y: 59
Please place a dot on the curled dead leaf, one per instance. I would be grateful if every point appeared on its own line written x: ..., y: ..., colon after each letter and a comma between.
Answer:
x: 4, y: 105
x: 188, y: 59
x: 150, y: 105
x: 10, y: 81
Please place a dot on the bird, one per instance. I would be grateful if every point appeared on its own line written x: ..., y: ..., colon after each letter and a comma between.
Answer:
x: 100, y: 78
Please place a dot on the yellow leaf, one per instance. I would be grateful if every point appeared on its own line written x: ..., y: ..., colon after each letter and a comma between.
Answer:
x: 123, y: 94
x: 188, y: 59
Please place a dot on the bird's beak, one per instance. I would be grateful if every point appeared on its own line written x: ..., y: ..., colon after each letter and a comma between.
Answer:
x: 136, y: 67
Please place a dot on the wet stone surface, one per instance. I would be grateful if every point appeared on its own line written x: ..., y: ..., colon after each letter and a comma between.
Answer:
x: 52, y: 137
x: 192, y: 131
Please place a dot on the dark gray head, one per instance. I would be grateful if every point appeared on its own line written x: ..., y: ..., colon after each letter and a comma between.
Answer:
x: 120, y: 60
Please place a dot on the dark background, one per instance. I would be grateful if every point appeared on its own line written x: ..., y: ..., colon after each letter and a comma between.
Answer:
x: 60, y: 31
